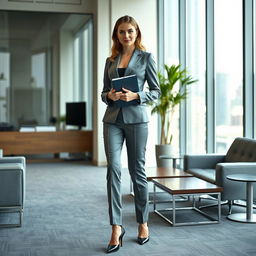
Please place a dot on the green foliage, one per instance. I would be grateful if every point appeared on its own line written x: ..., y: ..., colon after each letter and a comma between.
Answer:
x: 61, y: 119
x: 174, y: 89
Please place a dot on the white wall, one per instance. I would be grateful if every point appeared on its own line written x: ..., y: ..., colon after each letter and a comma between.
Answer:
x: 101, y: 52
x: 145, y: 13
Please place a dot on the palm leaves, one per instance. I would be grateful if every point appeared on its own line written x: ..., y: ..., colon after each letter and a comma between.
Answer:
x: 174, y: 89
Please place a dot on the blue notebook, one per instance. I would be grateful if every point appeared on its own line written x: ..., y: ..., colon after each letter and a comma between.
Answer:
x: 129, y: 83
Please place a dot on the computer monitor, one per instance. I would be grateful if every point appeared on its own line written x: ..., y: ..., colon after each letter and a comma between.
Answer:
x: 76, y: 114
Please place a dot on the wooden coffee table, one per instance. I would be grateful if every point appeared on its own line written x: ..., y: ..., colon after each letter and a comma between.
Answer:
x: 162, y: 172
x: 165, y: 172
x: 186, y: 186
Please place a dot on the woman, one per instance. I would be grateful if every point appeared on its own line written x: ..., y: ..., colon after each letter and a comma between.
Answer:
x: 127, y: 123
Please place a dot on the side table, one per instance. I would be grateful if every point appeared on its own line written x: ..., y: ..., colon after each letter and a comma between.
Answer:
x: 173, y: 157
x: 249, y: 217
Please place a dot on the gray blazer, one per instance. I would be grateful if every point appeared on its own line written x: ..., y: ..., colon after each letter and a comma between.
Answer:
x: 143, y: 65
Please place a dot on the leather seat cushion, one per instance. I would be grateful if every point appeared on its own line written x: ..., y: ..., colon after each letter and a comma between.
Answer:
x: 205, y: 174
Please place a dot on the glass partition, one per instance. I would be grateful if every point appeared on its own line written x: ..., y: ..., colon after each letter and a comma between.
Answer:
x: 39, y: 71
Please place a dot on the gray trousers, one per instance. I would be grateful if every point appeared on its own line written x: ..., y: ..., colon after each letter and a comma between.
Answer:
x: 135, y: 136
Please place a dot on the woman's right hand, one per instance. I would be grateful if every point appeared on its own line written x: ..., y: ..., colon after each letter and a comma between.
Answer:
x: 113, y: 95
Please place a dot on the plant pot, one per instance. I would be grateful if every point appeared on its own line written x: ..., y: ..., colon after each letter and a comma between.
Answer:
x: 165, y: 149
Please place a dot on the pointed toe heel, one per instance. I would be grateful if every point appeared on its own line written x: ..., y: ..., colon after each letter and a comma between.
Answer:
x: 115, y: 247
x: 112, y: 248
x: 143, y: 240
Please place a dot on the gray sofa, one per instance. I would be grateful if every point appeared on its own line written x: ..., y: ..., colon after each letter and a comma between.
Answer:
x: 12, y: 187
x: 240, y: 158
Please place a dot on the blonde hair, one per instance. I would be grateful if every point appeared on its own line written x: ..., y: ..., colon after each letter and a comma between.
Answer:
x: 117, y: 48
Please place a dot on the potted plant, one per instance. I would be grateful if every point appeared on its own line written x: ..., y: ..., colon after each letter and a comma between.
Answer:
x: 61, y: 122
x: 174, y: 88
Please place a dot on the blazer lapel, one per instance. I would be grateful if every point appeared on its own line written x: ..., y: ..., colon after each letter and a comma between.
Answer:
x: 113, y: 72
x: 133, y: 61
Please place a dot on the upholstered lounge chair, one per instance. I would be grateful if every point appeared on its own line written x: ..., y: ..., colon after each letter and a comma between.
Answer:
x: 12, y: 187
x: 240, y: 158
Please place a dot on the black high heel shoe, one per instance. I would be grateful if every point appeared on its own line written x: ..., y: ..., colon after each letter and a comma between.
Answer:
x: 142, y: 240
x: 115, y: 247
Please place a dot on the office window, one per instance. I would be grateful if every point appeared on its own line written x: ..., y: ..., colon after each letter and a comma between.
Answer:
x: 171, y: 32
x: 228, y: 71
x: 88, y: 71
x: 171, y: 54
x: 38, y: 84
x: 226, y: 90
x: 77, y: 71
x: 82, y: 90
x: 196, y: 65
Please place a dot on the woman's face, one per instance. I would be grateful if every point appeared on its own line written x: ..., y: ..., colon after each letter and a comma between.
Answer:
x: 126, y: 34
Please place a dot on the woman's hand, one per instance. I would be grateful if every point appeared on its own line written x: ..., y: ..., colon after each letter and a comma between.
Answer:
x: 113, y: 95
x: 127, y: 95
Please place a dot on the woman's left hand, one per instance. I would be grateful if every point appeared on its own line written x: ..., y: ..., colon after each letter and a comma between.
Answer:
x: 128, y: 95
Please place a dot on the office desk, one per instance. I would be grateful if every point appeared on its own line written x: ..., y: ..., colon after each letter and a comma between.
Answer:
x: 22, y: 143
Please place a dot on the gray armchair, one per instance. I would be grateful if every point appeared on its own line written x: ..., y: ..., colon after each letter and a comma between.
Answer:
x: 240, y: 158
x: 12, y: 187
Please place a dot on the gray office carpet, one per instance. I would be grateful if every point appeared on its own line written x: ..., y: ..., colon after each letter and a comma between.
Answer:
x: 66, y: 214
